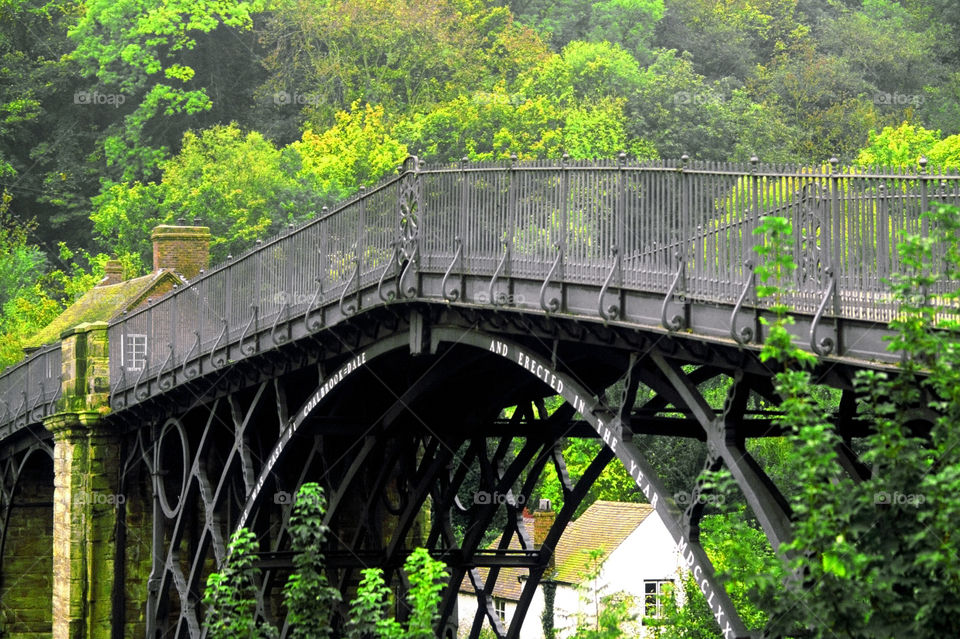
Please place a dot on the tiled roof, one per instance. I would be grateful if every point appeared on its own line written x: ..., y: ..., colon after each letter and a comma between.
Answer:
x: 103, y: 303
x: 604, y: 525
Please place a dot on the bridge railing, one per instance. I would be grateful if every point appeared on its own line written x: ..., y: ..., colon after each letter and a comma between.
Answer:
x: 657, y: 226
x: 32, y: 385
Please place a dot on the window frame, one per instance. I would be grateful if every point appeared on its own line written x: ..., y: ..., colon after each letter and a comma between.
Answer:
x: 500, y: 607
x: 129, y: 348
x: 660, y: 592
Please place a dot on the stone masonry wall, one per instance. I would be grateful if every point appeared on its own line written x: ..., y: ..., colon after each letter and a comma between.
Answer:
x: 26, y: 581
x: 86, y: 500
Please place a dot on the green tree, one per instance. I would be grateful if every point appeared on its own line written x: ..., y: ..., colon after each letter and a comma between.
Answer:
x: 139, y: 52
x: 629, y: 23
x: 900, y: 147
x: 237, y: 183
x: 309, y: 598
x: 613, y: 614
x: 404, y: 55
x: 357, y: 150
x: 887, y: 537
x: 43, y: 293
x: 728, y: 38
x: 47, y: 137
x: 230, y: 595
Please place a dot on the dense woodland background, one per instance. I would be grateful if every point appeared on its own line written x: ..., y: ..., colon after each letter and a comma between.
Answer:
x: 117, y: 115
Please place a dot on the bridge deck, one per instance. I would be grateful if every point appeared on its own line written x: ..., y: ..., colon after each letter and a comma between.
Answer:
x: 662, y: 246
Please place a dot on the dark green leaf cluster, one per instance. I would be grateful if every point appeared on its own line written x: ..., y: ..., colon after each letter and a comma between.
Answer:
x: 230, y: 595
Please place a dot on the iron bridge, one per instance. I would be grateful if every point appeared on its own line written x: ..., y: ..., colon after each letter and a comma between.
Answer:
x: 375, y: 347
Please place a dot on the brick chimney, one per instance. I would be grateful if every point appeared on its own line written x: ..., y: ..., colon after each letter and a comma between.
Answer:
x: 185, y: 249
x: 113, y: 273
x: 543, y: 520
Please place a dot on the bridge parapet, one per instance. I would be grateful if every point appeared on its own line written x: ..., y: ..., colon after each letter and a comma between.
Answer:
x: 682, y: 230
x: 29, y: 389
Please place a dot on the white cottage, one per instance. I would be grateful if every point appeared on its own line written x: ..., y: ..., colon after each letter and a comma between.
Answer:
x: 637, y: 556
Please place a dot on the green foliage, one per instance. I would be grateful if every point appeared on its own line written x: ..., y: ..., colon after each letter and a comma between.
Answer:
x: 309, y: 598
x: 43, y: 294
x: 887, y: 538
x: 774, y: 271
x: 614, y: 483
x: 310, y: 601
x: 136, y: 50
x: 901, y: 146
x: 230, y: 595
x: 243, y: 187
x: 629, y: 23
x: 427, y: 578
x: 370, y: 609
x: 357, y: 150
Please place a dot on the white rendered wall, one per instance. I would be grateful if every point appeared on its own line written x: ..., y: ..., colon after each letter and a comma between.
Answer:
x: 648, y: 553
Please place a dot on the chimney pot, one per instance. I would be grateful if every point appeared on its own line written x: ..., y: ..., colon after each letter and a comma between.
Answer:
x: 113, y: 273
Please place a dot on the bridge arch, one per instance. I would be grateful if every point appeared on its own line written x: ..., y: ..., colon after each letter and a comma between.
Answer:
x: 26, y: 542
x: 386, y: 430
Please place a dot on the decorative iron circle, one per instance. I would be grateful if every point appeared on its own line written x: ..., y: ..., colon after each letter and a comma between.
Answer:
x: 162, y: 473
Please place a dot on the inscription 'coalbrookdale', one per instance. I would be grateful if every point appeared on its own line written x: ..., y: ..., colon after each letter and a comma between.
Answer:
x: 352, y: 365
x: 610, y: 433
x: 331, y: 382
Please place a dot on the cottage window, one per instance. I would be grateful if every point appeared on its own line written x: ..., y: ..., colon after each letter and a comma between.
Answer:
x: 134, y: 355
x: 655, y: 593
x: 500, y: 606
